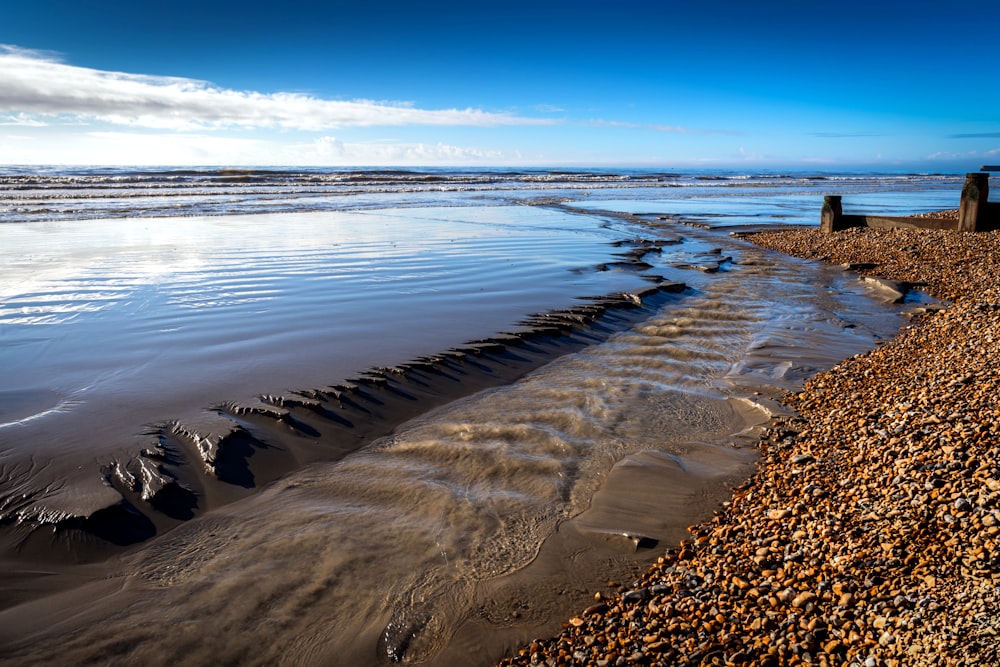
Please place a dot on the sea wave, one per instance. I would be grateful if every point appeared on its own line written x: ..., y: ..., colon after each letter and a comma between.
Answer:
x: 61, y: 193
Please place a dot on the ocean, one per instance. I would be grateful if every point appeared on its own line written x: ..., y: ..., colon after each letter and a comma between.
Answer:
x: 363, y: 416
x: 65, y: 193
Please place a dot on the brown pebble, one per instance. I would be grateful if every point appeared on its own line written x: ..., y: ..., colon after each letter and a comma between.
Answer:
x: 884, y: 548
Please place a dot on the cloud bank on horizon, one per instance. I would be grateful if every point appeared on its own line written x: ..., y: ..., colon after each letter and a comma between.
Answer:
x: 37, y: 90
x: 35, y: 85
x: 684, y: 85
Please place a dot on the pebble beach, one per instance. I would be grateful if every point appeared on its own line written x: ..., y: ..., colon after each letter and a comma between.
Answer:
x: 870, y: 531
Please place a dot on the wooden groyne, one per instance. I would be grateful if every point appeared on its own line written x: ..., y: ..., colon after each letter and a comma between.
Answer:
x: 975, y: 212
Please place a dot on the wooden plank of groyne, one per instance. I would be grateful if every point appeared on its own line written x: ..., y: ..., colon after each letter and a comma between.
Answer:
x: 831, y: 219
x: 891, y: 222
x: 975, y: 212
x: 972, y: 209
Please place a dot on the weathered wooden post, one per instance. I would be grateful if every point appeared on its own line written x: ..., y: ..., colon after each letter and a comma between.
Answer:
x: 832, y: 218
x: 972, y: 209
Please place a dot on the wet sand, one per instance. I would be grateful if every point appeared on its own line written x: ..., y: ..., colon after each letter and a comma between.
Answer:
x: 868, y: 533
x: 475, y: 529
x: 121, y: 336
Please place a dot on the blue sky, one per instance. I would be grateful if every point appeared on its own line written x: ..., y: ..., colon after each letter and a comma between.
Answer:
x: 871, y: 85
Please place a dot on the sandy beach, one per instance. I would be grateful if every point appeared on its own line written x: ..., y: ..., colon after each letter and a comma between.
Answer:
x: 868, y: 534
x: 455, y: 334
x: 369, y: 386
x: 121, y: 335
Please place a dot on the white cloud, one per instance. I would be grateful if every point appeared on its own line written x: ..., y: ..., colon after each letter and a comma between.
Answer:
x: 330, y: 147
x: 654, y: 127
x: 748, y: 156
x: 33, y: 84
x: 22, y: 120
x: 674, y: 129
x: 966, y: 155
x: 181, y: 148
x: 677, y: 129
x: 600, y: 122
x: 330, y: 150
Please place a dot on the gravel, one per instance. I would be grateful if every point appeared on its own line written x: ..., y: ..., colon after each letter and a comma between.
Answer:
x: 870, y: 532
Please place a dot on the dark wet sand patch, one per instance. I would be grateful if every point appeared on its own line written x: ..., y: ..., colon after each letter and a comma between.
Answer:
x: 192, y: 467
